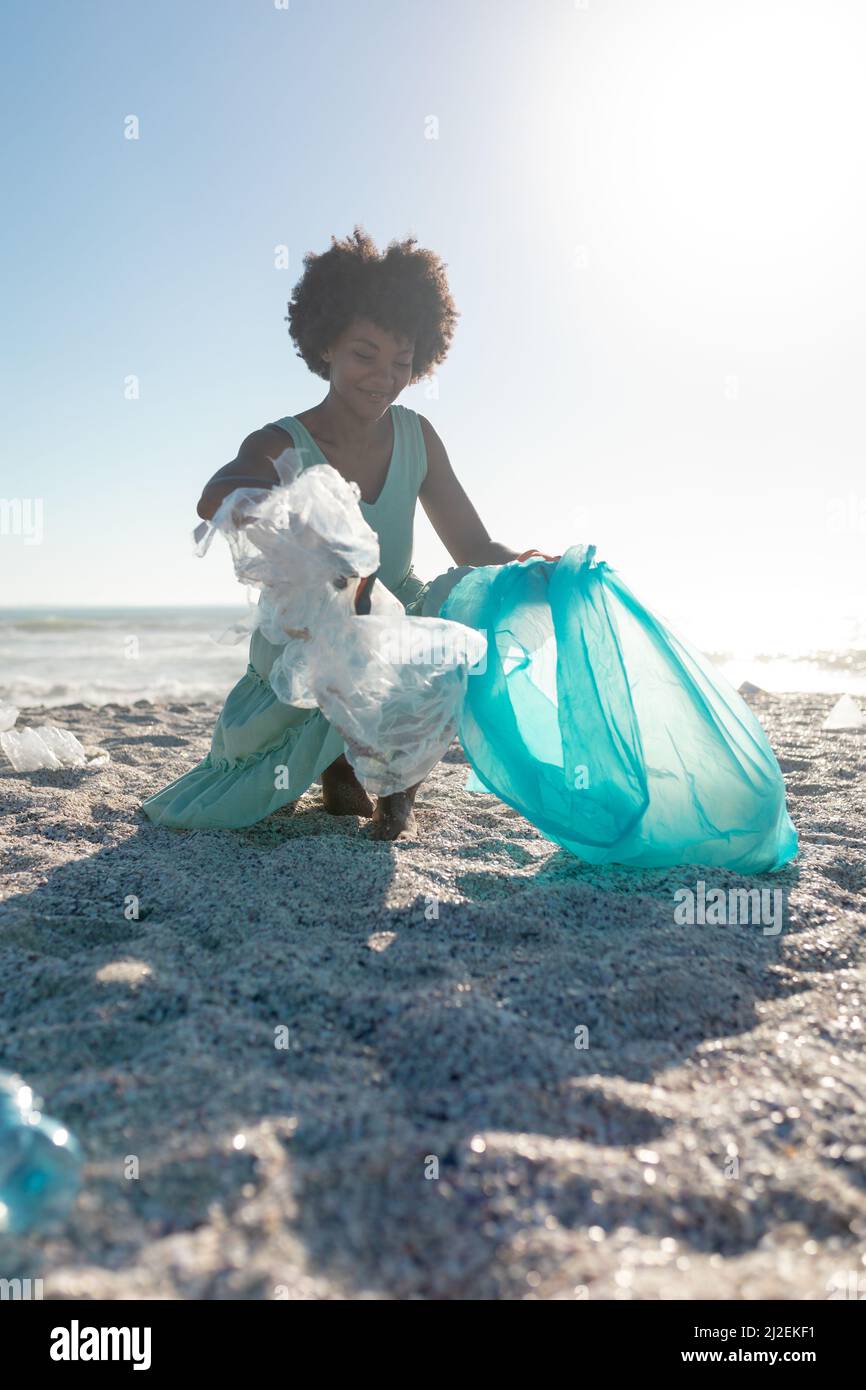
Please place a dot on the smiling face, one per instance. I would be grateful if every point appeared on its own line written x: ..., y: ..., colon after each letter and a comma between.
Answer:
x: 369, y: 367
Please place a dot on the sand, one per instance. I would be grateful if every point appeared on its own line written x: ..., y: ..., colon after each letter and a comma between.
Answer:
x: 709, y: 1142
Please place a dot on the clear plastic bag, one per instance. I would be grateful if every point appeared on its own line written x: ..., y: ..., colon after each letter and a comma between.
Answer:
x: 395, y: 697
x: 392, y: 686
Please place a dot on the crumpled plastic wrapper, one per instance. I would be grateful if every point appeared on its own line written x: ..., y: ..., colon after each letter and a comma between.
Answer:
x: 46, y: 746
x: 845, y: 714
x: 391, y: 685
x: 8, y: 716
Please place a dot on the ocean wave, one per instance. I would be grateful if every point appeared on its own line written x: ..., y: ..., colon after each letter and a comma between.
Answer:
x: 50, y: 625
x: 73, y: 656
x: 186, y: 692
x: 125, y: 623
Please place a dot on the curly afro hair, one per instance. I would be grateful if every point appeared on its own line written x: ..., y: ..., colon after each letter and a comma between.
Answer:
x: 404, y: 291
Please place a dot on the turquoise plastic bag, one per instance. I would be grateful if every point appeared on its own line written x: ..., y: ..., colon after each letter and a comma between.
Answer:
x: 613, y: 736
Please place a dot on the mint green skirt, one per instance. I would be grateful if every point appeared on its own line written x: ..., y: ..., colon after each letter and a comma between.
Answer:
x: 265, y: 754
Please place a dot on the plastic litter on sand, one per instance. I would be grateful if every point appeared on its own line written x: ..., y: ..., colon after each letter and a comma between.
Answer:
x: 845, y: 714
x: 46, y: 746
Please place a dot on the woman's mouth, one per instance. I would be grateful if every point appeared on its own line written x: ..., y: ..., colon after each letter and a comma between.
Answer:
x: 378, y: 396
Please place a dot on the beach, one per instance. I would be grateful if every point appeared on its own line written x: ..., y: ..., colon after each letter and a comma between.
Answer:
x: 463, y: 1066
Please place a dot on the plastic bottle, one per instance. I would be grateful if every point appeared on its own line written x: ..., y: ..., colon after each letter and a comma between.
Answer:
x: 40, y: 1161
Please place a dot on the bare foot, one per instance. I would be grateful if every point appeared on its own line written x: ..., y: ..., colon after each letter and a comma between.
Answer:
x: 342, y: 793
x: 394, y: 817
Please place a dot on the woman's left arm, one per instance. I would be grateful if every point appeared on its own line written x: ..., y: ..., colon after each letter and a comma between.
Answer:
x: 455, y: 520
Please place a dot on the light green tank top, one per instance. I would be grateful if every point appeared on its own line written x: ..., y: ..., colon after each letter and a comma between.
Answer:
x: 392, y: 515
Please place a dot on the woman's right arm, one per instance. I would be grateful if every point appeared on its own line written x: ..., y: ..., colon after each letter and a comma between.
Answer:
x: 253, y: 467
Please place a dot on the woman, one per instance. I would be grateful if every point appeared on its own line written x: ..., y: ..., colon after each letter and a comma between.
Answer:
x: 369, y: 325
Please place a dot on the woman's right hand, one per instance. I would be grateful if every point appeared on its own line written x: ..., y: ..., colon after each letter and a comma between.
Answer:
x: 528, y: 554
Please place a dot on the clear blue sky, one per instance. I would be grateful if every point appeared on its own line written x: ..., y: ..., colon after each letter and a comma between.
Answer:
x: 653, y: 217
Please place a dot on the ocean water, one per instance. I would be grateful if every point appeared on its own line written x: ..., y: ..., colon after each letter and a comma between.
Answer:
x: 100, y: 656
x: 97, y: 656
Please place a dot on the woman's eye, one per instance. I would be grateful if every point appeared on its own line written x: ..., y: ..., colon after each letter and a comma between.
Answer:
x: 363, y: 357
